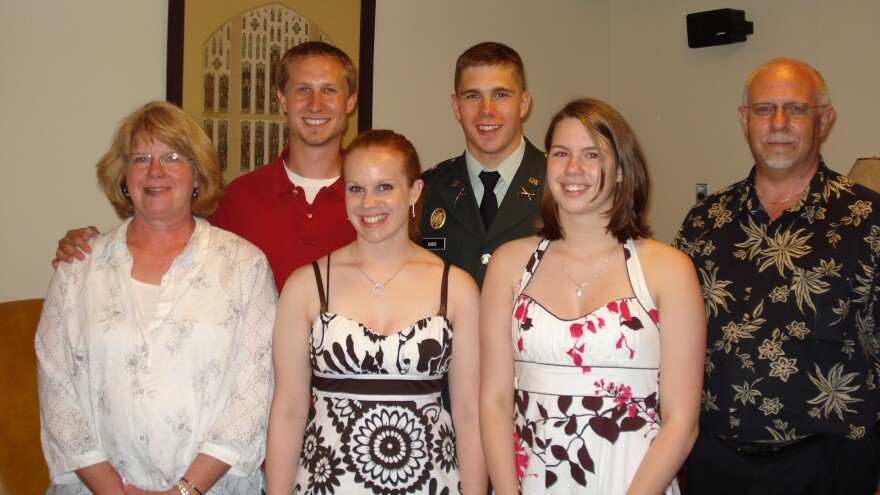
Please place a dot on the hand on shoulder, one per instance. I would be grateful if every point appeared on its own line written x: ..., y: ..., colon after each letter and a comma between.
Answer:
x: 74, y: 245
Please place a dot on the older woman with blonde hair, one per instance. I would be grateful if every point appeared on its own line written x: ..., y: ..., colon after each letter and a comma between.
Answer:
x: 154, y: 362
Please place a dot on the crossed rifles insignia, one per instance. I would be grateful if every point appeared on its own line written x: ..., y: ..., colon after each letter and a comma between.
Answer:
x: 529, y: 193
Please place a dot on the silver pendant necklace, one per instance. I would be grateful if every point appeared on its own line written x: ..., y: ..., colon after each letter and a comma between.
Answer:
x: 379, y: 289
x: 580, y: 285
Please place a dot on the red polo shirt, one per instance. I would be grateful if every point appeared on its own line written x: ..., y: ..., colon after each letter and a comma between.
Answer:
x: 265, y: 208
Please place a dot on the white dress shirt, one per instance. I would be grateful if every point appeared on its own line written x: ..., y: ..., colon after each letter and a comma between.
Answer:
x: 507, y: 169
x: 147, y: 399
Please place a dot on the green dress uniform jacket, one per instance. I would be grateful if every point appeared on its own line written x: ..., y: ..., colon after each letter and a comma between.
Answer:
x: 451, y: 224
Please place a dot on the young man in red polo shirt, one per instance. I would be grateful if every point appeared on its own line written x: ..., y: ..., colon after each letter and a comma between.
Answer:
x: 293, y: 208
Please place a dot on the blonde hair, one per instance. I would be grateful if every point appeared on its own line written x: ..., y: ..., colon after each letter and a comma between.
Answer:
x: 165, y: 122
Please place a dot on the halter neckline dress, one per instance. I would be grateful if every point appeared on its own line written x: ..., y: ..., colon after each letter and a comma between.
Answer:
x: 586, y: 389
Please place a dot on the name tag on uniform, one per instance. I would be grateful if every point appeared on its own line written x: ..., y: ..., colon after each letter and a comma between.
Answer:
x: 434, y: 243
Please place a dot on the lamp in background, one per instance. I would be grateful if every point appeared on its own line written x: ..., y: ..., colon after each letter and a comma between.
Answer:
x: 866, y: 171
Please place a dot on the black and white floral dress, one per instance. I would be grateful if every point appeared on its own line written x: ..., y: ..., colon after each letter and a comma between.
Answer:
x: 586, y: 390
x: 377, y: 422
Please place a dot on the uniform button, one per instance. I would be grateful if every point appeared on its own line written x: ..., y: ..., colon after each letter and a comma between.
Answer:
x: 296, y: 191
x: 485, y: 258
x: 308, y: 215
x: 142, y: 439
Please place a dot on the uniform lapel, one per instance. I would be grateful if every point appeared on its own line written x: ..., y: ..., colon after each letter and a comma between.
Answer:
x: 522, y: 197
x: 462, y: 204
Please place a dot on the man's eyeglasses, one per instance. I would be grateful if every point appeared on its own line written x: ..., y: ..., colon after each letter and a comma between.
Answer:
x: 789, y: 109
x: 168, y: 160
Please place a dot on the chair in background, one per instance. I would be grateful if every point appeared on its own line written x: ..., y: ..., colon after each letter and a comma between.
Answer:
x: 22, y: 467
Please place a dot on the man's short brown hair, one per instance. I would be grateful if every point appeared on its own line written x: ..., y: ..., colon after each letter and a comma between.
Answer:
x: 491, y: 53
x: 316, y: 49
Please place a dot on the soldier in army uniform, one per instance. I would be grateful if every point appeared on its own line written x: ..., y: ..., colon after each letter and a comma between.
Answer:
x: 491, y: 193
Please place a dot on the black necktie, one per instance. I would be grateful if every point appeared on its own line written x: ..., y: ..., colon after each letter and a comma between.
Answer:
x: 489, y: 205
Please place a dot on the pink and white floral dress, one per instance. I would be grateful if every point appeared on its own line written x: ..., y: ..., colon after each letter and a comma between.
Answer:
x: 586, y: 390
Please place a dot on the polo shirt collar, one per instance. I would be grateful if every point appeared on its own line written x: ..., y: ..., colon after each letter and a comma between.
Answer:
x: 281, y: 182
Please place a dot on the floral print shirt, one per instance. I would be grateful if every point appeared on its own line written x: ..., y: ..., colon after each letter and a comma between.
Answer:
x: 196, y: 379
x: 792, y: 306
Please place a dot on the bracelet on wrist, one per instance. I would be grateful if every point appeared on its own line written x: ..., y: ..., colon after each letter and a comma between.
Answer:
x: 191, y: 485
x: 182, y: 489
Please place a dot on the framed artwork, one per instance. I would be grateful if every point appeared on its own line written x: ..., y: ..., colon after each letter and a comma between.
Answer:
x: 223, y: 57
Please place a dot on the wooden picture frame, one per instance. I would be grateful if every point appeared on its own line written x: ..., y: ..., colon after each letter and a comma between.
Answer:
x: 182, y: 82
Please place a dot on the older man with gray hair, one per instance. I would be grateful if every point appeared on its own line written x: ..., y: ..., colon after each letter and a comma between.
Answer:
x: 788, y: 261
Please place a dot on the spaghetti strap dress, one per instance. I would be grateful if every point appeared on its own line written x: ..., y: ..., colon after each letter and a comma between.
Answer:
x: 377, y: 424
x: 585, y: 409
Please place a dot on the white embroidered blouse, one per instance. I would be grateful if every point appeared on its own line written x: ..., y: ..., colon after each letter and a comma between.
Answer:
x: 196, y: 379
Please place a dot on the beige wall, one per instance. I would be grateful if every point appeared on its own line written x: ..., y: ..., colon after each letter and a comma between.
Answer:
x: 417, y: 44
x: 59, y: 112
x: 633, y: 54
x: 682, y: 102
x: 70, y: 72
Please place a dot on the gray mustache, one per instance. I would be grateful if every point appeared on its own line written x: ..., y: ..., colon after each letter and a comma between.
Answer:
x: 780, y: 138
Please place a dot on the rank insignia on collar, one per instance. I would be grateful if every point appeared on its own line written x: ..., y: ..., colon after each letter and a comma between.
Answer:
x: 438, y: 218
x: 460, y: 194
x: 533, y: 181
x: 527, y: 194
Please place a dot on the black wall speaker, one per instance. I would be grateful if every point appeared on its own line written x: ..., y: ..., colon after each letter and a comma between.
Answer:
x: 717, y: 27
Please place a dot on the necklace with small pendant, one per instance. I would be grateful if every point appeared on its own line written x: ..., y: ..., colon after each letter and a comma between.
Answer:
x: 580, y: 285
x: 379, y: 289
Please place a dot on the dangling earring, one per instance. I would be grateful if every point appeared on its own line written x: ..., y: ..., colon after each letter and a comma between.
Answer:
x: 195, y: 191
x: 413, y: 206
x: 125, y: 190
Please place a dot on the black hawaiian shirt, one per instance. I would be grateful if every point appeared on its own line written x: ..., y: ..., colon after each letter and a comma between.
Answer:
x: 792, y: 309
